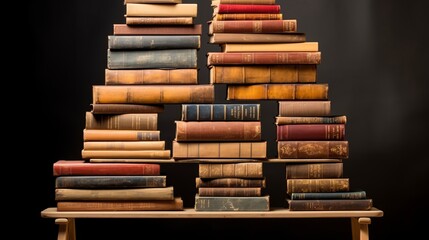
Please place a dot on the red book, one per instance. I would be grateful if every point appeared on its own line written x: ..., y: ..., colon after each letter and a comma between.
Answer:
x: 80, y: 167
x: 241, y: 58
x: 311, y: 132
x: 248, y: 8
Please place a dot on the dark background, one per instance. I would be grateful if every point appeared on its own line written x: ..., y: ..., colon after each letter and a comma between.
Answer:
x: 374, y: 57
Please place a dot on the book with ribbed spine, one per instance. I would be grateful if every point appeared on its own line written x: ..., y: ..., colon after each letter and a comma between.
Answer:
x: 235, y: 38
x: 119, y: 108
x: 253, y: 26
x: 279, y: 91
x: 153, y: 1
x: 301, y: 185
x: 247, y: 16
x: 120, y: 135
x: 221, y: 112
x: 330, y: 204
x: 147, y: 205
x: 159, y: 20
x: 127, y: 194
x: 125, y: 29
x: 124, y: 145
x: 111, y: 182
x: 357, y: 194
x: 148, y: 154
x: 315, y: 108
x: 230, y: 182
x: 264, y: 58
x: 231, y: 170
x: 313, y: 149
x: 340, y: 119
x: 245, y: 8
x: 127, y: 121
x: 161, y: 10
x: 152, y: 42
x: 256, y: 150
x: 230, y: 191
x: 311, y: 132
x: 270, y: 47
x: 314, y: 170
x: 150, y: 76
x: 213, y: 203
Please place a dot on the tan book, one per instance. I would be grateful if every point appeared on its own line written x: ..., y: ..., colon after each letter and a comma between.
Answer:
x: 229, y: 170
x: 247, y: 16
x: 262, y: 58
x: 124, y: 145
x: 225, y: 38
x: 120, y: 135
x: 230, y: 191
x: 270, y: 47
x: 153, y: 1
x: 125, y: 29
x: 150, y: 76
x: 161, y: 10
x: 312, y: 91
x: 130, y: 160
x: 317, y: 185
x: 127, y: 121
x: 159, y: 20
x: 156, y: 154
x: 304, y: 108
x: 310, y: 120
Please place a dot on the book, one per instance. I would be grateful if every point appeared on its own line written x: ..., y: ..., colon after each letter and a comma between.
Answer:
x: 110, y: 182
x: 124, y: 145
x: 221, y: 112
x: 153, y: 94
x: 150, y: 76
x: 245, y: 1
x: 246, y: 8
x: 314, y: 170
x: 230, y: 182
x: 330, y: 204
x: 151, y: 154
x: 218, y: 131
x: 270, y: 47
x: 147, y: 205
x: 235, y: 38
x: 118, y: 108
x: 120, y: 135
x: 230, y: 191
x: 126, y: 121
x: 219, y: 150
x: 317, y: 185
x: 143, y: 59
x: 231, y: 170
x: 153, y: 42
x: 128, y: 194
x: 247, y: 16
x: 357, y: 194
x: 253, y: 26
x: 313, y: 149
x: 265, y: 58
x: 304, y: 108
x: 153, y: 1
x: 81, y: 167
x: 124, y: 29
x: 161, y: 10
x: 254, y: 74
x: 311, y: 120
x: 159, y: 20
x: 214, y: 203
x: 312, y: 132
x: 278, y: 91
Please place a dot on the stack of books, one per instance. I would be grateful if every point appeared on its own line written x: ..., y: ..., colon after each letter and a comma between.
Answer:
x: 83, y: 186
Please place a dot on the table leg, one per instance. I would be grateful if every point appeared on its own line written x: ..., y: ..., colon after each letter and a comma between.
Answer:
x: 66, y: 228
x: 355, y: 228
x: 363, y: 223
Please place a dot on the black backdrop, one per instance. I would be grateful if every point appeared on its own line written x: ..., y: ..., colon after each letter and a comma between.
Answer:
x: 374, y: 57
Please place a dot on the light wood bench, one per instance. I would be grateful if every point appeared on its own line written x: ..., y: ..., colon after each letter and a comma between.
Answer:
x: 67, y: 231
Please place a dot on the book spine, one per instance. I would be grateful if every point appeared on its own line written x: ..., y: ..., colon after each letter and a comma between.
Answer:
x: 298, y: 91
x: 330, y: 205
x: 263, y: 58
x: 220, y: 112
x: 314, y: 170
x: 313, y: 149
x: 153, y: 205
x: 149, y: 154
x: 151, y: 94
x: 254, y: 26
x: 311, y: 132
x: 153, y: 1
x: 131, y: 194
x: 68, y: 168
x: 120, y: 135
x: 161, y: 10
x: 239, y: 170
x: 230, y: 182
x: 143, y: 59
x: 248, y: 16
x: 312, y: 120
x: 125, y: 108
x: 128, y: 121
x: 220, y: 150
x: 226, y: 39
x: 317, y: 185
x: 151, y: 76
x: 263, y: 74
x: 333, y: 195
x: 153, y: 42
x: 230, y: 191
x: 111, y: 182
x: 124, y: 29
x: 210, y: 203
x: 124, y: 145
x: 248, y: 8
x: 304, y: 108
x: 159, y: 20
x: 265, y: 2
x: 218, y: 131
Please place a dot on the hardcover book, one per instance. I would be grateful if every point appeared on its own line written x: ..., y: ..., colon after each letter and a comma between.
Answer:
x: 110, y: 182
x: 317, y: 185
x: 314, y: 108
x: 152, y: 42
x: 230, y: 182
x: 148, y: 154
x: 330, y: 205
x: 247, y: 16
x: 120, y: 135
x: 313, y: 149
x: 285, y: 91
x: 264, y: 58
x: 159, y: 20
x: 314, y: 170
x: 150, y: 76
x: 119, y: 108
x: 231, y: 170
x: 253, y: 26
x: 147, y: 205
x: 127, y: 121
x: 161, y: 10
x: 221, y: 112
x: 124, y: 29
x: 222, y: 38
x: 124, y: 145
x: 270, y: 47
x: 311, y: 132
x: 212, y: 203
x: 358, y: 194
x: 341, y: 119
x: 230, y: 191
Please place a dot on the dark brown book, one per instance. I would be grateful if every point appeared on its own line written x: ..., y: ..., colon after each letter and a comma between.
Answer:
x: 248, y: 16
x: 151, y: 76
x: 120, y: 135
x: 124, y: 29
x: 313, y: 149
x: 231, y: 170
x: 245, y: 58
x: 311, y: 132
x: 127, y: 121
x: 120, y: 108
x: 314, y: 170
x: 304, y: 108
x: 258, y: 38
x: 330, y: 205
x: 317, y: 185
x: 159, y: 20
x: 230, y: 182
x: 253, y: 26
x: 278, y: 91
x: 230, y: 191
x: 219, y: 149
x: 218, y: 131
x: 111, y: 182
x: 341, y: 119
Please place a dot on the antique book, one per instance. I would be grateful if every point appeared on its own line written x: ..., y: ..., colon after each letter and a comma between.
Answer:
x: 304, y: 108
x: 253, y: 26
x: 153, y: 1
x: 81, y: 167
x: 270, y: 47
x: 356, y: 194
x: 127, y: 194
x: 153, y: 42
x: 161, y: 10
x: 159, y: 20
x: 314, y: 170
x: 124, y: 145
x: 150, y: 76
x: 301, y: 185
x: 254, y: 74
x: 211, y: 203
x: 230, y: 191
x: 120, y: 135
x: 244, y: 1
x: 153, y: 94
x: 330, y: 204
x: 119, y: 108
x: 231, y: 131
x: 230, y: 170
x: 230, y: 182
x: 235, y: 38
x: 156, y: 154
x: 312, y: 120
x: 265, y: 58
x: 130, y: 160
x: 311, y: 132
x: 278, y: 91
x: 221, y: 112
x: 219, y: 150
x: 147, y: 205
x: 126, y: 121
x: 110, y: 182
x: 247, y: 16
x: 313, y: 149
x: 143, y: 59
x: 245, y: 8
x: 124, y: 29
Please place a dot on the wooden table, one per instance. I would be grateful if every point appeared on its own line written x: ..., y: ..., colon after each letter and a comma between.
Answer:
x: 67, y: 231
